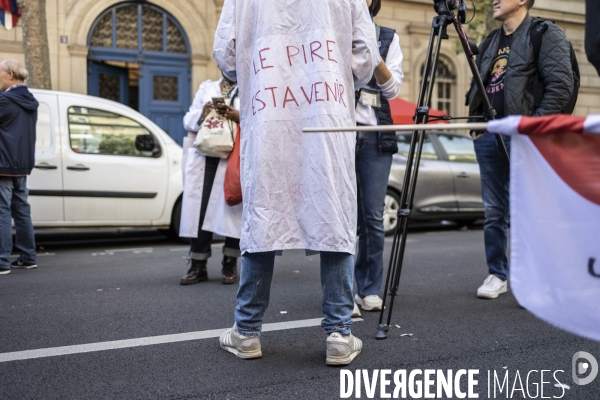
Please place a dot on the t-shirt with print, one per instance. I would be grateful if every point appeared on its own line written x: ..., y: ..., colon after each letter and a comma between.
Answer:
x: 495, y: 85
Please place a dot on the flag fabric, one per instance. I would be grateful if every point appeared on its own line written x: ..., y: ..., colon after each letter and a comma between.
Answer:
x: 9, y: 13
x: 555, y: 218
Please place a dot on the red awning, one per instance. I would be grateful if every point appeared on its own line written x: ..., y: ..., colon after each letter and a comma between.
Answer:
x: 403, y: 112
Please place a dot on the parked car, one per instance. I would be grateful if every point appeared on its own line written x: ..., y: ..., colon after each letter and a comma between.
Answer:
x: 99, y: 163
x: 448, y: 185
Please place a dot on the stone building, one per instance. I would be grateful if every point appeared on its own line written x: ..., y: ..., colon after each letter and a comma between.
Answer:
x: 152, y: 55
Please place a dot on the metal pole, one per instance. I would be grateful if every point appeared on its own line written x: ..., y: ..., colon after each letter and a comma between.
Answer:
x: 396, y: 128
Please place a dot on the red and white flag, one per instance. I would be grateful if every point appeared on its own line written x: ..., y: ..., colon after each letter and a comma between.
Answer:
x: 555, y: 218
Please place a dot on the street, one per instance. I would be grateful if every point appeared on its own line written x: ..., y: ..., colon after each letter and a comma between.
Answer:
x: 105, y: 299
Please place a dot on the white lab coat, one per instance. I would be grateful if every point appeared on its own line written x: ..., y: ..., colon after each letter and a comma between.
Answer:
x: 220, y: 218
x: 297, y: 63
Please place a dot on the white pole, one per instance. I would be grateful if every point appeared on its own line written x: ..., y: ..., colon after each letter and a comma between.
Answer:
x: 415, y: 127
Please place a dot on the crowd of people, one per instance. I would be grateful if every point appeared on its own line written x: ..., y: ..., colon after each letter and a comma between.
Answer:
x: 318, y: 191
x: 289, y: 65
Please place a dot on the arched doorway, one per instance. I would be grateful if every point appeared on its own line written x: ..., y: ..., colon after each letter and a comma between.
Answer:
x: 139, y: 56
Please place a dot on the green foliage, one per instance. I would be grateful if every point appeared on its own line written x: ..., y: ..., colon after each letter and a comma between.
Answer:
x: 481, y: 22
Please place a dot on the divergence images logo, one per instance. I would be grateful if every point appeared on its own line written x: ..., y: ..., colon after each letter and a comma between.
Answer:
x: 581, y: 368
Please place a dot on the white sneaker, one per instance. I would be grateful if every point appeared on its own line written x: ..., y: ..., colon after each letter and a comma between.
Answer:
x: 341, y: 350
x: 369, y: 303
x: 240, y: 345
x: 356, y: 311
x: 492, y: 287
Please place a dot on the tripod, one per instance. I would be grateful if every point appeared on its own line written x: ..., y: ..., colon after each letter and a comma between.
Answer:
x: 438, y: 32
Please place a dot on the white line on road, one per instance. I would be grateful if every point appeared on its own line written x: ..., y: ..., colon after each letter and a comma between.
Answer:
x: 138, y: 250
x: 147, y: 341
x: 390, y: 239
x: 134, y: 251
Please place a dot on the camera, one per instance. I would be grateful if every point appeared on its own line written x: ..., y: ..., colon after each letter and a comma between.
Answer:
x: 445, y: 7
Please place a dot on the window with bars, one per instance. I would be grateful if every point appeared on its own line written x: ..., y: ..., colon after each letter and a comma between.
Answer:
x: 138, y: 27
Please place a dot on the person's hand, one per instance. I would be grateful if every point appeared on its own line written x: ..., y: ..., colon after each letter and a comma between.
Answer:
x: 228, y: 112
x: 207, y: 108
x: 382, y: 73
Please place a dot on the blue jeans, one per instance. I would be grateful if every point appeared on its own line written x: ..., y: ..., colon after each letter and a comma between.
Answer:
x: 255, y: 289
x: 14, y: 205
x: 372, y: 174
x: 495, y: 174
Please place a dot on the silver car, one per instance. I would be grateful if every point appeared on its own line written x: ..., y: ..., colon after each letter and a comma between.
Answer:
x: 448, y: 185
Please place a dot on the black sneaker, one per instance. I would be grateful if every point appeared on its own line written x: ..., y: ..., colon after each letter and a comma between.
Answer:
x: 4, y: 271
x: 18, y: 264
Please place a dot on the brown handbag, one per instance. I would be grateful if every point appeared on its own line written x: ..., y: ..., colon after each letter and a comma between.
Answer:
x: 233, y: 186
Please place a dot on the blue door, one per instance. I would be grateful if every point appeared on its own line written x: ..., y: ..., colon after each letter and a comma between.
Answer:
x: 153, y: 47
x: 108, y: 82
x: 165, y: 97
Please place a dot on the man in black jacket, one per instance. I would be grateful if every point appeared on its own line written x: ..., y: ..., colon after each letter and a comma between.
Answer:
x: 18, y: 117
x: 507, y: 67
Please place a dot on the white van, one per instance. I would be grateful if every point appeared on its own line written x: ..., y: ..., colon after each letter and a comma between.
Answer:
x: 99, y: 163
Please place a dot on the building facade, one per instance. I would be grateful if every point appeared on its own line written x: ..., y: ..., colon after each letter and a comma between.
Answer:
x: 153, y: 55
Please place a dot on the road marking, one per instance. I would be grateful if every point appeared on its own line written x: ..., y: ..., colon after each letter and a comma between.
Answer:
x: 148, y: 341
x: 134, y: 251
x: 391, y: 240
x: 181, y: 248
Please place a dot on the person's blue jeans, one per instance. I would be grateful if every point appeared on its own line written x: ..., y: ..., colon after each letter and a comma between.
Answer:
x: 14, y: 205
x: 372, y: 174
x: 255, y: 289
x: 495, y: 179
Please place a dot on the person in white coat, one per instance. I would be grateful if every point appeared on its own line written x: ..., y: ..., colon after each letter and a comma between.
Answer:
x: 297, y: 64
x: 204, y: 210
x: 374, y: 152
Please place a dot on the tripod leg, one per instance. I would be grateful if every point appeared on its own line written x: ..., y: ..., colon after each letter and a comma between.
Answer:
x: 410, y: 175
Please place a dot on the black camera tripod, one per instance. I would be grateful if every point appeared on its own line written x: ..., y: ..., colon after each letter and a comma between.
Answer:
x: 446, y: 16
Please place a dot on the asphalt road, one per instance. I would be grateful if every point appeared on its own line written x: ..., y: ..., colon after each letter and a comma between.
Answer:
x: 128, y: 288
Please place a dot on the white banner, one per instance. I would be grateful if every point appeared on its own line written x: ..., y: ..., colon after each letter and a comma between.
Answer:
x: 555, y: 231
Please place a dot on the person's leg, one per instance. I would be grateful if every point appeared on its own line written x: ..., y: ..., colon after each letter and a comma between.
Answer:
x: 336, y: 281
x: 372, y: 174
x: 200, y: 246
x: 494, y: 170
x: 6, y: 188
x: 232, y: 247
x: 243, y: 339
x: 231, y: 252
x: 254, y: 292
x: 200, y: 250
x: 21, y: 214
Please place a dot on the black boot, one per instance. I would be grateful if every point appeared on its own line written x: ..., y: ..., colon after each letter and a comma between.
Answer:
x: 229, y: 270
x: 197, y: 273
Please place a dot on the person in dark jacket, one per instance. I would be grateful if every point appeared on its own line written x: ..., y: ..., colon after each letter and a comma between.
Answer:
x: 507, y: 68
x: 374, y: 153
x: 592, y: 33
x: 18, y: 117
